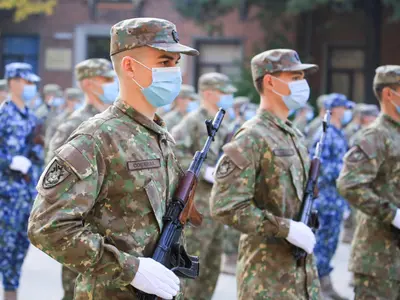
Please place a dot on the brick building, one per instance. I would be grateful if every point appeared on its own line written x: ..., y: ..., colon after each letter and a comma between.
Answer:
x: 79, y: 29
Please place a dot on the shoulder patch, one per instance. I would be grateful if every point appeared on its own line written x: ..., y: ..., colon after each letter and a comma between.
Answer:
x: 236, y: 156
x: 55, y: 174
x: 224, y: 167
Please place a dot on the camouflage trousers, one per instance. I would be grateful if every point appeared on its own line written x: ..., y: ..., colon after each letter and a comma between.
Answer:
x: 68, y: 278
x: 14, y: 243
x: 206, y: 242
x: 231, y: 241
x: 327, y: 236
x: 374, y: 288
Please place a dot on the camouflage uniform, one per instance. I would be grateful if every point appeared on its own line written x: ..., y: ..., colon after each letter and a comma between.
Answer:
x: 301, y: 120
x: 3, y: 90
x: 370, y: 181
x: 354, y: 126
x: 17, y: 190
x: 259, y: 185
x: 86, y: 69
x: 315, y: 124
x: 70, y: 93
x: 206, y: 241
x: 173, y: 117
x: 109, y: 185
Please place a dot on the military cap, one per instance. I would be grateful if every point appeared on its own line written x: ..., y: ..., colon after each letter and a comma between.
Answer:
x: 3, y: 85
x: 94, y: 67
x: 320, y: 101
x: 358, y: 108
x: 389, y: 74
x: 369, y: 110
x: 156, y: 33
x: 20, y: 70
x: 51, y: 88
x: 73, y: 93
x: 216, y: 81
x: 187, y: 91
x: 239, y: 101
x: 337, y: 100
x: 278, y: 60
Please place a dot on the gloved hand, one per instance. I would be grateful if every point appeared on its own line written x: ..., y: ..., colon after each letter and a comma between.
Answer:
x: 155, y: 279
x: 396, y: 220
x: 20, y: 163
x: 301, y: 236
x: 209, y: 174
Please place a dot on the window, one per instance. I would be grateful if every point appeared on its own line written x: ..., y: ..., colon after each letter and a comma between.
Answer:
x: 223, y: 56
x: 345, y: 71
x: 98, y: 47
x: 20, y: 49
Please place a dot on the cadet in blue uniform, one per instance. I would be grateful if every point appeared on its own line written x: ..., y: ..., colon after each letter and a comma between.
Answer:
x: 17, y: 182
x: 330, y: 204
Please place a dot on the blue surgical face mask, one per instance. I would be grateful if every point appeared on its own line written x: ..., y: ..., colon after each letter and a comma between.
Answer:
x: 347, y: 116
x: 57, y: 102
x: 165, y: 86
x: 231, y: 113
x: 192, y: 106
x: 299, y: 94
x: 29, y: 92
x: 78, y: 105
x: 249, y: 114
x: 310, y: 115
x: 110, y: 92
x: 226, y: 101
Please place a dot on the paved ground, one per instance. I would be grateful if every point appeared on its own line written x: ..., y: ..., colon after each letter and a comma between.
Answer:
x: 41, y: 279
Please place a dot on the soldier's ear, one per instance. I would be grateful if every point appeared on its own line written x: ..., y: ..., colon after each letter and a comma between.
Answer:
x: 268, y: 82
x: 387, y: 93
x: 128, y: 66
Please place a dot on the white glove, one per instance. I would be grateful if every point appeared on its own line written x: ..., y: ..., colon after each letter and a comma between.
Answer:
x: 301, y: 236
x: 20, y: 163
x: 396, y: 220
x: 209, y: 174
x: 155, y: 279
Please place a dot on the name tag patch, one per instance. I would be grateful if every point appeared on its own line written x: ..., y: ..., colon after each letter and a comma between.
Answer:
x: 283, y: 152
x: 143, y: 164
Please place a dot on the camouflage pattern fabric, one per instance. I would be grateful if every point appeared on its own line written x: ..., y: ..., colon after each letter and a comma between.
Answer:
x: 351, y: 129
x: 94, y: 67
x: 372, y: 288
x: 370, y: 181
x: 51, y: 130
x: 312, y: 129
x: 278, y: 60
x: 172, y: 119
x: 156, y: 33
x: 17, y: 191
x: 67, y: 127
x: 205, y: 241
x: 102, y: 198
x: 68, y: 278
x: 216, y: 81
x: 259, y: 185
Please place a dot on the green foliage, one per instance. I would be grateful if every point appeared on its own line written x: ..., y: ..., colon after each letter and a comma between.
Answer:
x: 25, y: 8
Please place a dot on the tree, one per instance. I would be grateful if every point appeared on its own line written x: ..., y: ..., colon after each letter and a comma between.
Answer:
x: 207, y: 11
x: 25, y: 8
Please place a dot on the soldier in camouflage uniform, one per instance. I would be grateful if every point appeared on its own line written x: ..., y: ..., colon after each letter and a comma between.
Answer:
x: 97, y: 81
x: 186, y: 102
x: 216, y: 91
x: 368, y: 114
x: 259, y: 186
x: 354, y: 125
x: 51, y: 104
x: 102, y: 197
x: 370, y: 181
x: 315, y: 125
x: 73, y: 100
x: 3, y: 91
x: 304, y: 115
x: 18, y: 153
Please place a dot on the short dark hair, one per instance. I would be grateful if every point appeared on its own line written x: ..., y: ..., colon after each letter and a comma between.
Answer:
x: 379, y: 88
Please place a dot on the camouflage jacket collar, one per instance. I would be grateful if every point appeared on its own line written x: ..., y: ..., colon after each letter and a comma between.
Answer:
x: 24, y: 112
x: 157, y: 125
x: 388, y: 119
x: 270, y: 117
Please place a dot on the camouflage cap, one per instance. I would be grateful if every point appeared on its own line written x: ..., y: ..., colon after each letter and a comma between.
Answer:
x: 369, y: 110
x: 216, y: 81
x: 320, y: 101
x: 51, y: 88
x: 156, y: 33
x: 187, y: 91
x: 3, y: 84
x: 337, y: 100
x: 20, y: 70
x: 388, y: 74
x: 94, y: 67
x: 73, y: 93
x: 278, y: 60
x: 239, y: 101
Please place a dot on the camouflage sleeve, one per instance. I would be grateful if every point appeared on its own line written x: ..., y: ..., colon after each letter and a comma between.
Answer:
x: 60, y: 136
x: 232, y: 196
x: 361, y: 165
x: 5, y: 141
x: 185, y: 134
x: 68, y: 190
